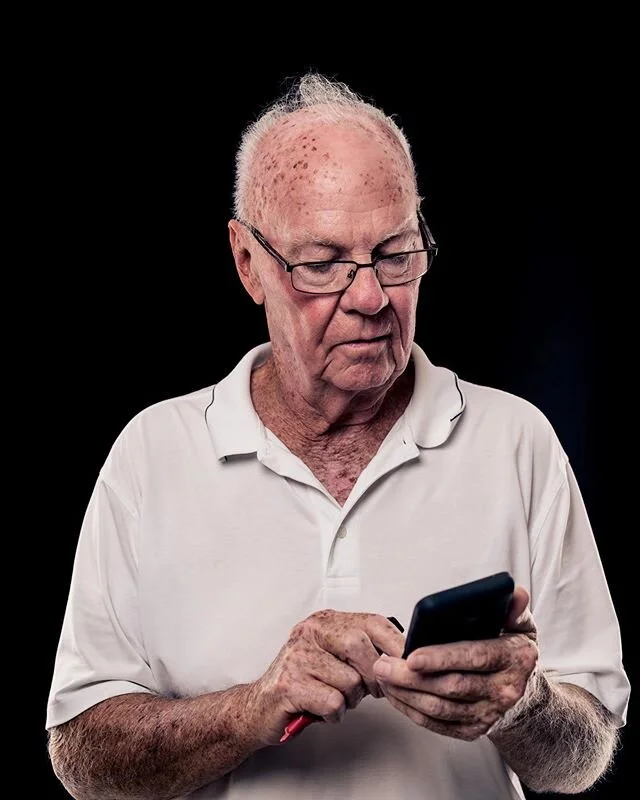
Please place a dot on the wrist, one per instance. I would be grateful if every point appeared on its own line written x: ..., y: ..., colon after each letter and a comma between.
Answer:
x: 252, y: 721
x: 536, y: 697
x: 240, y: 717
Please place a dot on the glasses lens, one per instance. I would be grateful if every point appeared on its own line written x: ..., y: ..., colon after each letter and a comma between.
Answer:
x: 335, y: 276
x: 402, y: 267
x: 323, y: 277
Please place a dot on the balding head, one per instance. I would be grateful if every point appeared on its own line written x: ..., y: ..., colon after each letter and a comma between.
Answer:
x: 311, y: 136
x: 306, y: 160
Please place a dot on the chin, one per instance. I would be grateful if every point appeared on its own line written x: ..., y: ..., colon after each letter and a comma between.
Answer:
x: 362, y: 378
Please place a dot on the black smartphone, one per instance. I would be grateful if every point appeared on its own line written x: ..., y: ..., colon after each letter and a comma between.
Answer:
x: 474, y: 610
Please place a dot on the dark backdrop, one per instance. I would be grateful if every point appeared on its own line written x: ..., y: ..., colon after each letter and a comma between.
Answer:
x: 517, y: 157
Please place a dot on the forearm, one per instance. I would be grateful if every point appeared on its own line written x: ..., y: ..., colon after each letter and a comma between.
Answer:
x: 561, y: 739
x: 144, y: 747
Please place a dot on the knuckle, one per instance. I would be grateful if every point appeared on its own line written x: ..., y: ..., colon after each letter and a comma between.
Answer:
x: 354, y: 682
x: 298, y: 631
x: 381, y: 621
x: 317, y: 618
x: 459, y: 686
x: 479, y: 656
x: 334, y: 703
x: 353, y: 641
x: 441, y: 709
x: 312, y: 622
x: 508, y: 696
x: 448, y: 655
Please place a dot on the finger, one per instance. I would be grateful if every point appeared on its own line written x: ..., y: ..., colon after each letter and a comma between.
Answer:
x: 350, y: 642
x: 438, y: 708
x: 519, y: 617
x: 456, y: 730
x: 338, y: 675
x: 385, y: 636
x: 483, y: 655
x: 465, y: 686
x: 395, y: 670
x: 324, y: 701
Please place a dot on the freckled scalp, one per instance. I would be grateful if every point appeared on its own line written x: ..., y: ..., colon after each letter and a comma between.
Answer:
x: 281, y: 149
x: 352, y: 158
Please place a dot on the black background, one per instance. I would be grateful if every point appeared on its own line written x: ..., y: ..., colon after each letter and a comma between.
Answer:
x: 520, y: 148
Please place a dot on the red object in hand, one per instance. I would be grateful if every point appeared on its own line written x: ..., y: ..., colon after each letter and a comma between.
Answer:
x: 298, y: 724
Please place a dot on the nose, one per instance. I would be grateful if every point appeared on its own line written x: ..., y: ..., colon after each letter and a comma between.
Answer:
x: 364, y: 294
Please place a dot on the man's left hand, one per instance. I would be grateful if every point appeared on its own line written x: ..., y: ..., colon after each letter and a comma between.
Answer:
x: 462, y: 689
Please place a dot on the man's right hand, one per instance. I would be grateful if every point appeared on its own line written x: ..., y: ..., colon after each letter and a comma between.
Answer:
x: 325, y: 668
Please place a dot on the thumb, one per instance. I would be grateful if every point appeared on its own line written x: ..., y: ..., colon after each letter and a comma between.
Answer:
x: 519, y: 616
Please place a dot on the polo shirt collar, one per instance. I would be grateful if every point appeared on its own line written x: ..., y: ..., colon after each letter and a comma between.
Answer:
x: 437, y: 403
x: 433, y: 412
x: 234, y: 425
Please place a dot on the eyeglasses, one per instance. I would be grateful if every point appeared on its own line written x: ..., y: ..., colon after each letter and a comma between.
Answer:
x: 328, y: 277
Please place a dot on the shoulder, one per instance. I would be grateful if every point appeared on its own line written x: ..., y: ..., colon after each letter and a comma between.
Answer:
x: 185, y: 424
x: 482, y: 400
x: 164, y: 415
x: 512, y: 424
x: 157, y: 428
x: 184, y: 407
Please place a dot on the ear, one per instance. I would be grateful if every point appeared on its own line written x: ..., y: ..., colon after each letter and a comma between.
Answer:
x: 244, y: 261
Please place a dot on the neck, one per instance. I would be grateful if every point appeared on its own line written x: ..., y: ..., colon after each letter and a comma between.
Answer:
x: 329, y: 411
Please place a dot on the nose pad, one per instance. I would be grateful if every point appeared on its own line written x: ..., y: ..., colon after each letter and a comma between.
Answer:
x: 353, y: 272
x: 366, y: 297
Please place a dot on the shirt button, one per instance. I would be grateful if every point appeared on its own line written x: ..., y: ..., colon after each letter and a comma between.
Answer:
x: 342, y: 532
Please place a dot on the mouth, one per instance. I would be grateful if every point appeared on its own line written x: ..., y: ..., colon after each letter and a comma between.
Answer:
x: 372, y: 338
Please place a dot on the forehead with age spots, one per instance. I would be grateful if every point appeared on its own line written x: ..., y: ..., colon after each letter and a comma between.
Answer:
x: 305, y: 163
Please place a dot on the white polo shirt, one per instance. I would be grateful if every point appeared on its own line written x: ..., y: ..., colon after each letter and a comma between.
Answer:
x: 205, y: 541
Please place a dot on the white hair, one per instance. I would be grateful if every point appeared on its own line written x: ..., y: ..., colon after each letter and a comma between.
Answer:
x: 333, y: 101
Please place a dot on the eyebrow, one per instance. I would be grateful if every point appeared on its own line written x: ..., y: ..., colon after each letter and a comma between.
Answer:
x: 302, y: 241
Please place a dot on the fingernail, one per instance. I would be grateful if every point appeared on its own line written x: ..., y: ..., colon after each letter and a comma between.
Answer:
x: 382, y: 668
x: 416, y: 663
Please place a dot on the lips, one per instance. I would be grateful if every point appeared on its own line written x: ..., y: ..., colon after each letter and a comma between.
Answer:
x: 367, y: 339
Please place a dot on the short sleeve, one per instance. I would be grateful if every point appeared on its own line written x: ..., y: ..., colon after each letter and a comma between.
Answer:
x: 579, y: 634
x: 100, y: 652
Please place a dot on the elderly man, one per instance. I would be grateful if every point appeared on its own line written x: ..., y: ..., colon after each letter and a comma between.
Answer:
x: 245, y: 544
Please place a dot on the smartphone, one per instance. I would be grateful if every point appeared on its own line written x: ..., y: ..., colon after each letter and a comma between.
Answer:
x: 474, y: 610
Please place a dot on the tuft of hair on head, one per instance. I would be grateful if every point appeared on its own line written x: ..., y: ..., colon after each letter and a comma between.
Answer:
x: 332, y: 101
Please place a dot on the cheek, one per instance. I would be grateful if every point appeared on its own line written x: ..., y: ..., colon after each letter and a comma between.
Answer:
x: 317, y: 313
x: 405, y: 308
x: 297, y: 317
